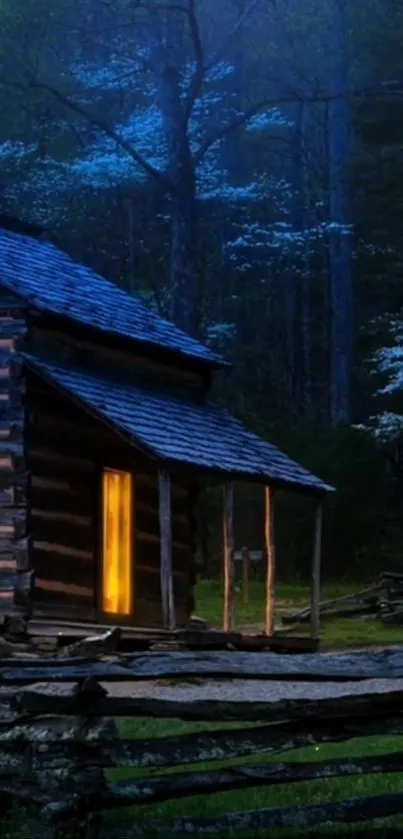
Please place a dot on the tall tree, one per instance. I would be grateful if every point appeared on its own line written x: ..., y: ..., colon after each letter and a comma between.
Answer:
x: 172, y: 48
x: 340, y: 157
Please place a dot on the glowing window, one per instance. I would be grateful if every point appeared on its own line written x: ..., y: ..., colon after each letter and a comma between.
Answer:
x: 117, y: 570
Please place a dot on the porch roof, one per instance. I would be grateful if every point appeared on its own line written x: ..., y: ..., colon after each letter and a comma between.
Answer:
x: 176, y: 432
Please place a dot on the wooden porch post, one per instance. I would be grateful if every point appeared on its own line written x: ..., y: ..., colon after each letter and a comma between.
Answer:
x: 167, y: 588
x: 315, y: 581
x: 271, y: 560
x: 228, y: 557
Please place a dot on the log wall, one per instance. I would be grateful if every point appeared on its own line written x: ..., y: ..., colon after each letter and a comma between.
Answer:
x: 15, y: 582
x: 95, y: 354
x: 67, y: 450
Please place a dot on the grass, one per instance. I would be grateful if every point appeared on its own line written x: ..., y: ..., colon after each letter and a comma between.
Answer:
x: 291, y: 795
x: 337, y: 634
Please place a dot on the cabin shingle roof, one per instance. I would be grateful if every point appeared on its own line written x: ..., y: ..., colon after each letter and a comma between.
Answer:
x: 175, y: 431
x: 50, y: 281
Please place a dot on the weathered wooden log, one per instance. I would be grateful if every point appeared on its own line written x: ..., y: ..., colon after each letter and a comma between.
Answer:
x: 392, y: 575
x: 24, y: 592
x: 23, y: 794
x: 395, y: 616
x: 8, y: 649
x: 354, y: 666
x: 367, y: 610
x: 354, y: 810
x: 92, y: 699
x: 152, y: 790
x: 370, y: 833
x: 57, y: 746
x: 93, y: 646
x: 362, y: 596
x: 52, y: 729
x: 50, y: 751
x: 15, y: 625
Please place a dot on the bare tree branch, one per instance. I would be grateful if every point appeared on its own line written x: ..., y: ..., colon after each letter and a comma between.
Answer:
x: 196, y: 83
x: 147, y: 167
x: 248, y: 114
x: 234, y: 31
x: 240, y: 120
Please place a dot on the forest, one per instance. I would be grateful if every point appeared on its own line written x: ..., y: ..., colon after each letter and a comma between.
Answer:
x: 239, y: 165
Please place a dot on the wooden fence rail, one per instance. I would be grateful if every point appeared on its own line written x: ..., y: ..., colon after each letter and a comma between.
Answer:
x: 60, y: 739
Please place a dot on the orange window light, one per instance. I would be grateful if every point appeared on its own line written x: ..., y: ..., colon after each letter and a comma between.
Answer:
x: 117, y: 572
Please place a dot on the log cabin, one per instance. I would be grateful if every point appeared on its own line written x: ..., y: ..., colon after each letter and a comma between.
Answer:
x: 106, y: 430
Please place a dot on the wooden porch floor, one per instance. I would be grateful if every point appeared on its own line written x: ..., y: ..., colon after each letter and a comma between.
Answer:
x: 144, y: 638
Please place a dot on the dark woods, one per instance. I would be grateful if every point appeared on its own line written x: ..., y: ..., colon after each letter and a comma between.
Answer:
x: 238, y: 164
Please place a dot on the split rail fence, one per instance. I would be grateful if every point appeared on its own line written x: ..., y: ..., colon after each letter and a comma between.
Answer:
x: 59, y: 739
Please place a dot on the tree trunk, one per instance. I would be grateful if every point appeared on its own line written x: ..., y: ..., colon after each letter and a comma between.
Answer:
x: 184, y: 285
x: 340, y: 238
x: 168, y: 58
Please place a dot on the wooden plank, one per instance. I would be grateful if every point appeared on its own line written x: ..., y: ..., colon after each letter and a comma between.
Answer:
x: 22, y: 553
x: 55, y: 587
x: 24, y: 592
x: 150, y: 480
x: 148, y: 613
x: 147, y: 494
x: 152, y: 538
x: 63, y: 516
x: 352, y: 811
x: 320, y: 667
x: 66, y: 501
x: 167, y: 588
x: 316, y: 569
x: 68, y: 611
x: 148, y: 522
x: 66, y: 700
x: 60, y: 460
x: 228, y: 547
x: 106, y: 354
x: 49, y: 567
x: 9, y: 516
x: 76, y: 478
x: 394, y: 576
x: 61, y: 550
x: 148, y: 583
x: 85, y: 442
x: 271, y: 560
x: 12, y: 329
x: 364, y: 596
x: 77, y: 538
x: 177, y: 750
x: 181, y: 785
x: 148, y: 554
x: 10, y: 578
